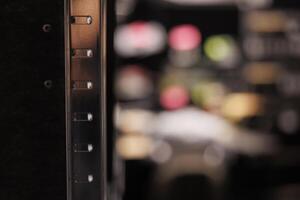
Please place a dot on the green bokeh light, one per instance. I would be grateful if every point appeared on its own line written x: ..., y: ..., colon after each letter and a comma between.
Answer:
x: 218, y: 48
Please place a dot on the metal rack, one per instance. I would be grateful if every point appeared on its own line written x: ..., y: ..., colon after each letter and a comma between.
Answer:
x: 85, y: 47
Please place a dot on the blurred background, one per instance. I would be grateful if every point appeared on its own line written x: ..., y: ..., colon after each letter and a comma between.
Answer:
x: 207, y: 100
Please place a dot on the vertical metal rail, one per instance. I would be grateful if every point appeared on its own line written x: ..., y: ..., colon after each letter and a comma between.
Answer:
x: 85, y: 69
x: 67, y: 98
x: 103, y: 94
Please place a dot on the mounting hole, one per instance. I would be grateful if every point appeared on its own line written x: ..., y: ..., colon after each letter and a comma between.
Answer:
x: 47, y: 28
x: 48, y: 84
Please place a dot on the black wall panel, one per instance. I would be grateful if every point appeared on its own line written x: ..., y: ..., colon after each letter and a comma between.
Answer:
x: 32, y: 99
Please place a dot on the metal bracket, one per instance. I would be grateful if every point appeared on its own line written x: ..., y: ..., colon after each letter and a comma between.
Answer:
x: 85, y: 47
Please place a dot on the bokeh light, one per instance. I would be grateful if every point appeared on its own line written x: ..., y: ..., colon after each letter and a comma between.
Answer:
x: 139, y: 38
x: 184, y: 37
x: 133, y: 83
x: 221, y: 49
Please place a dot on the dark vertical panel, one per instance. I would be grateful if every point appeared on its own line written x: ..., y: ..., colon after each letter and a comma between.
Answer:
x: 32, y: 116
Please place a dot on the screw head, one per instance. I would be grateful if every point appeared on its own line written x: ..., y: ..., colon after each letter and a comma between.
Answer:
x: 48, y: 84
x: 47, y: 28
